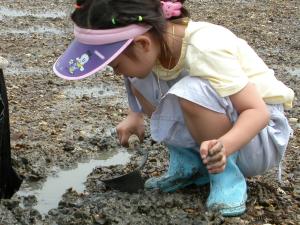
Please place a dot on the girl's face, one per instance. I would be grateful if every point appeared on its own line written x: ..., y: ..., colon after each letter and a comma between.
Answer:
x: 139, y: 59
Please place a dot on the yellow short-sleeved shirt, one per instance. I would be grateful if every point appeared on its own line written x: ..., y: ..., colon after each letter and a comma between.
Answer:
x: 227, y: 62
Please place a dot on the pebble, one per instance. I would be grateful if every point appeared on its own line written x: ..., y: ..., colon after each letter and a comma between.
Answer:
x: 293, y: 120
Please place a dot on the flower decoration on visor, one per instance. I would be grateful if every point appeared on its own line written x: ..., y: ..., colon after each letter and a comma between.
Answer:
x: 92, y: 50
x: 171, y: 9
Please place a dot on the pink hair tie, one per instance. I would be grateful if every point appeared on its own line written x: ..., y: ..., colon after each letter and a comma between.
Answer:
x: 77, y: 6
x: 171, y: 9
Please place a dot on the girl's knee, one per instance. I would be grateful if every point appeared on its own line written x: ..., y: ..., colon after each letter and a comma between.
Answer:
x: 202, y: 122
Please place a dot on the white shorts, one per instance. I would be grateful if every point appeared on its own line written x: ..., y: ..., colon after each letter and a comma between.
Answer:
x: 262, y: 153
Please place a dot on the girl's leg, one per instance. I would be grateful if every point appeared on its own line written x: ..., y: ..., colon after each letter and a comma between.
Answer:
x: 228, y: 190
x: 204, y: 124
x: 185, y: 165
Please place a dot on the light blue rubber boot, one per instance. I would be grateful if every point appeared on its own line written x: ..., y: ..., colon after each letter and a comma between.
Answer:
x: 185, y: 168
x: 228, y: 190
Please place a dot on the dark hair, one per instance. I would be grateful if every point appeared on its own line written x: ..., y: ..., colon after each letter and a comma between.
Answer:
x: 98, y: 14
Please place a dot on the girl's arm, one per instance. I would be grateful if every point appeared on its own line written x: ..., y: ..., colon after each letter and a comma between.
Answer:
x: 134, y: 122
x: 253, y: 117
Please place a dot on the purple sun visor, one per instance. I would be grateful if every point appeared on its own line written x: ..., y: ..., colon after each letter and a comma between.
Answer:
x: 92, y: 50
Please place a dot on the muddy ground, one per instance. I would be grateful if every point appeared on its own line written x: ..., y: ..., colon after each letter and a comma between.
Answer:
x: 57, y: 123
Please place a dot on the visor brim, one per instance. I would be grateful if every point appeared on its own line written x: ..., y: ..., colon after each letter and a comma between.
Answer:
x: 82, y: 60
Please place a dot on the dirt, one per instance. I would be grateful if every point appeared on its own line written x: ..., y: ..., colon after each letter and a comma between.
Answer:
x: 58, y: 124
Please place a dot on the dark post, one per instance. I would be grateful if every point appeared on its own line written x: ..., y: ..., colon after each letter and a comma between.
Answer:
x: 9, y: 180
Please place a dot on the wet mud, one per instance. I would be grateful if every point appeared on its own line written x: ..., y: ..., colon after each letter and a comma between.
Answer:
x: 62, y: 132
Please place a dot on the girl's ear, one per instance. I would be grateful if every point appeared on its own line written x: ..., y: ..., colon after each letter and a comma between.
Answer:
x: 143, y: 42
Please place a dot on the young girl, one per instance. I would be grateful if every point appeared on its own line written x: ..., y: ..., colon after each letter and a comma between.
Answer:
x: 211, y: 99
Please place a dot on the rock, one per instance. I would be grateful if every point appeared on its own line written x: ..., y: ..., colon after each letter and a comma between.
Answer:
x: 3, y: 63
x: 293, y: 120
x: 68, y: 146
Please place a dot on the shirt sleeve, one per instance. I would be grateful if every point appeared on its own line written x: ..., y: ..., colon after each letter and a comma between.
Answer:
x: 213, y: 55
x: 132, y: 101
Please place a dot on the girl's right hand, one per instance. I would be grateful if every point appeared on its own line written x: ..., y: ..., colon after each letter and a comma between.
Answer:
x: 132, y: 124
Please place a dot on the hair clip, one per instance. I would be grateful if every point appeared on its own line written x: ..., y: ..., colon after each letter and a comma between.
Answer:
x: 140, y: 18
x: 171, y: 9
x: 113, y: 20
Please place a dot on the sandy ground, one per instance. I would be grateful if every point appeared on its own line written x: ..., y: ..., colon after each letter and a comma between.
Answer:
x: 59, y: 125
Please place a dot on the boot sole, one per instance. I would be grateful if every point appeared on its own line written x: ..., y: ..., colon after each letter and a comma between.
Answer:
x: 177, y: 186
x: 234, y: 211
x: 229, y: 211
x: 198, y: 181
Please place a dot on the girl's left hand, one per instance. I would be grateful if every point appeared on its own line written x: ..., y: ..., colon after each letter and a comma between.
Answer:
x: 213, y: 155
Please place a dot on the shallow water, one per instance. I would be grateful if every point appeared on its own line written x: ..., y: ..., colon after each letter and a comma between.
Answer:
x: 55, y: 186
x: 101, y: 90
x: 15, y: 70
x: 294, y: 71
x: 7, y: 12
x: 36, y: 30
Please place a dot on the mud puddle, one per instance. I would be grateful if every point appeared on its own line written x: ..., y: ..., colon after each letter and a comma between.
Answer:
x: 46, y: 196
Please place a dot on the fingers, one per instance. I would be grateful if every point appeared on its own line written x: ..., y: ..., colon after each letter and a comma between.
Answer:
x: 215, y: 156
x: 205, y: 146
x: 124, y: 137
x: 216, y: 164
x: 216, y: 148
x: 123, y: 140
x: 212, y: 159
x: 141, y: 134
x: 132, y: 124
